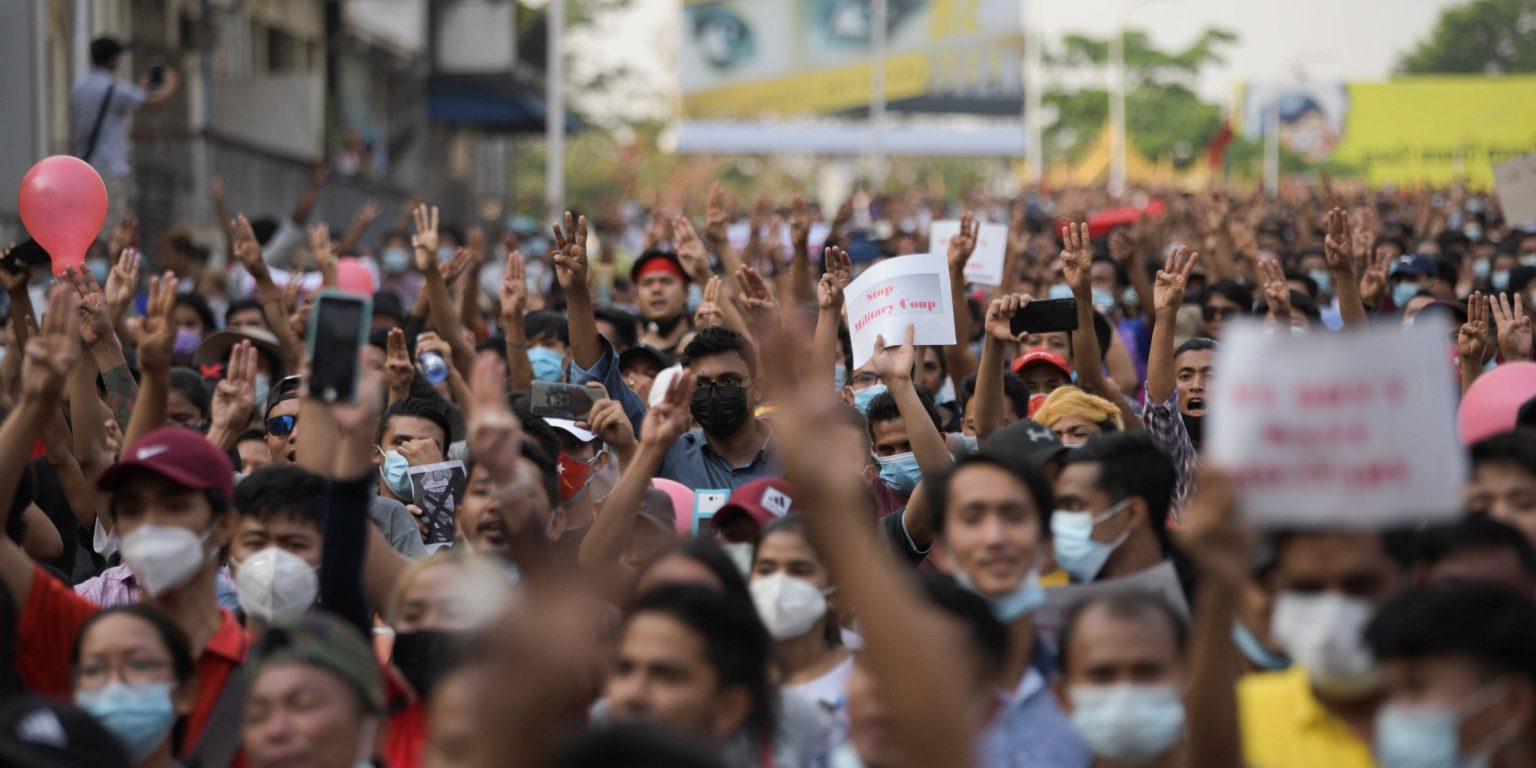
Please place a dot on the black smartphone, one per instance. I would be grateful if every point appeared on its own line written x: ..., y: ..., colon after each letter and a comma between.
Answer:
x: 1046, y: 316
x: 156, y: 72
x: 338, y: 329
x: 555, y: 400
x: 25, y: 256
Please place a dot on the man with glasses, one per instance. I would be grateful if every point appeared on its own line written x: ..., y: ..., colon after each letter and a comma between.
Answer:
x: 730, y: 448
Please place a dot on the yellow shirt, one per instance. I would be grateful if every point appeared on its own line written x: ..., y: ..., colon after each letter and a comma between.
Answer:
x: 1284, y: 726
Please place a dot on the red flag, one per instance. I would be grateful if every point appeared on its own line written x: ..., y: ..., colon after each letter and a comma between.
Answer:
x: 1216, y: 149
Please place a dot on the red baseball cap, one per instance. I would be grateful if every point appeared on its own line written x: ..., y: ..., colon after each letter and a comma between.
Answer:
x: 764, y: 500
x: 179, y: 455
x: 1043, y: 356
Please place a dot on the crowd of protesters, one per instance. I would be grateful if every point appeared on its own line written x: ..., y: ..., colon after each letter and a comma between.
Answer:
x: 208, y: 564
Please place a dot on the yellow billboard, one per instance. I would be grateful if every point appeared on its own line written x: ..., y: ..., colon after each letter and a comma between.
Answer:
x: 1418, y: 130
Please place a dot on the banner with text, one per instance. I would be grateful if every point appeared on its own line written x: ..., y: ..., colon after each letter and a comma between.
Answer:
x: 888, y: 297
x: 1348, y: 430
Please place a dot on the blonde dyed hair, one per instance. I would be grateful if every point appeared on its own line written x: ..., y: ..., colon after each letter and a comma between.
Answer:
x: 1071, y: 401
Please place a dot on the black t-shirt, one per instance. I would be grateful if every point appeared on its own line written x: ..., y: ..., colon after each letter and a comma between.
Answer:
x: 895, y: 535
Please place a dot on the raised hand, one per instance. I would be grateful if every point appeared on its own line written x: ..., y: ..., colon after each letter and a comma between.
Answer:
x: 758, y: 299
x: 1212, y: 534
x: 247, y: 250
x: 571, y: 255
x: 799, y: 224
x: 1277, y: 292
x: 1168, y: 289
x: 235, y: 395
x: 420, y: 451
x: 159, y: 331
x: 1077, y: 257
x: 1364, y: 237
x: 1018, y: 232
x: 95, y: 318
x: 717, y: 220
x: 13, y: 281
x: 320, y: 245
x: 122, y: 281
x: 398, y: 370
x: 474, y: 242
x: 1373, y: 280
x: 1338, y: 245
x: 666, y: 421
x: 999, y: 320
x: 893, y: 363
x: 1124, y: 249
x: 514, y: 289
x: 709, y: 314
x: 123, y: 234
x: 495, y: 435
x: 607, y: 421
x: 366, y: 214
x: 839, y: 272
x: 1514, y: 327
x: 1472, y: 337
x: 963, y: 244
x: 690, y: 250
x: 425, y: 239
x: 53, y: 351
x: 457, y: 266
x: 361, y: 417
x: 660, y: 230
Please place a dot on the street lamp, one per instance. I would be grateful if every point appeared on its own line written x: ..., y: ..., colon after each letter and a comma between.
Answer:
x: 1117, y: 96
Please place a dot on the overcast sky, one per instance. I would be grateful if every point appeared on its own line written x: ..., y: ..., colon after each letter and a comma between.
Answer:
x: 1329, y: 39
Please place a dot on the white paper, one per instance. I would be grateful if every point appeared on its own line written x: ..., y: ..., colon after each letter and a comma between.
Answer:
x: 985, y: 267
x: 1516, y: 180
x: 1161, y: 580
x: 1339, y: 430
x: 888, y: 297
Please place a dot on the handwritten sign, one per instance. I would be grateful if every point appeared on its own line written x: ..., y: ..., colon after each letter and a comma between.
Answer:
x: 985, y: 266
x: 1346, y: 430
x: 1516, y: 180
x: 891, y: 295
x: 1161, y: 580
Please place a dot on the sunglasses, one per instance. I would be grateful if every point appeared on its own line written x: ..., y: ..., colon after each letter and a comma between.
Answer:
x: 281, y: 426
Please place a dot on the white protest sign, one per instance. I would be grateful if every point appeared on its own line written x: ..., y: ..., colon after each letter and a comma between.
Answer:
x: 1516, y: 181
x: 1339, y: 430
x: 886, y: 298
x: 739, y: 234
x: 985, y: 266
x: 1161, y: 580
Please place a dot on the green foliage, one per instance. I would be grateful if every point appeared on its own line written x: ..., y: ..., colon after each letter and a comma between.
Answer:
x: 1481, y: 37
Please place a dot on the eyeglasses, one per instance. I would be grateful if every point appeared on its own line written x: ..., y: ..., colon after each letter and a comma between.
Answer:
x: 1225, y: 313
x: 96, y: 674
x: 281, y: 426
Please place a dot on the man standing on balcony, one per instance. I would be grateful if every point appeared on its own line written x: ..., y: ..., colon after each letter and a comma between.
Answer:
x: 101, y: 106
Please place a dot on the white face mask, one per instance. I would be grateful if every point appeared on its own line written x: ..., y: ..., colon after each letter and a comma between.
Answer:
x: 740, y: 554
x: 1324, y: 633
x: 789, y: 607
x: 1128, y: 723
x: 275, y: 584
x: 164, y: 556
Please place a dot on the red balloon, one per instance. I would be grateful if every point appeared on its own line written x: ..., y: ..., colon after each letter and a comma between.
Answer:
x: 63, y: 204
x: 352, y: 276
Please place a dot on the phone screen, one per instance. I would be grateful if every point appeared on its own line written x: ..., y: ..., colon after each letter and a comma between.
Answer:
x: 335, y: 340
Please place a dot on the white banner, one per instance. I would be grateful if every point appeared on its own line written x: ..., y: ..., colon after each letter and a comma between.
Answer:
x: 985, y: 266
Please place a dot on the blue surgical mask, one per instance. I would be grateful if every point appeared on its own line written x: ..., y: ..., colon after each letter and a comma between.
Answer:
x: 99, y: 269
x: 1076, y: 551
x: 395, y: 259
x: 1404, y: 291
x: 396, y: 472
x: 1060, y: 291
x: 546, y: 364
x: 1129, y: 296
x: 1103, y: 300
x: 863, y: 397
x: 1430, y: 736
x: 1025, y: 598
x: 263, y: 385
x: 1127, y: 723
x: 900, y: 472
x: 140, y: 715
x: 839, y: 377
x: 1500, y: 280
x: 1480, y: 269
x: 1256, y: 653
x: 1323, y: 279
x: 1528, y: 260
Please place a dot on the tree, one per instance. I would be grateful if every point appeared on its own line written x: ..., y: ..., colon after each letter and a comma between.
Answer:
x: 1482, y: 37
x: 1164, y: 116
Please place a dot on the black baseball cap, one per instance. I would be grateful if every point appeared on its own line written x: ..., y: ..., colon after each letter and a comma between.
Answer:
x: 40, y: 732
x: 643, y: 352
x: 1025, y: 440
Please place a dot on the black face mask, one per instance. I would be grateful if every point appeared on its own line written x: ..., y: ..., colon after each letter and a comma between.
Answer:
x: 422, y: 655
x: 1195, y: 426
x: 719, y: 410
x: 666, y: 325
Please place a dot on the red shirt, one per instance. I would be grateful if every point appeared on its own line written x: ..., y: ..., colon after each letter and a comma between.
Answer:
x: 52, y: 619
x: 407, y: 726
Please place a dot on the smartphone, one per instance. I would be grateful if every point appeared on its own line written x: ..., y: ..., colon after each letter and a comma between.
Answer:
x: 338, y: 329
x: 156, y: 72
x: 705, y: 504
x: 563, y: 401
x: 1046, y: 316
x: 25, y: 256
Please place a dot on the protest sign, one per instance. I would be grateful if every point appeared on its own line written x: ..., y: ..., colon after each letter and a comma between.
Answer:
x: 1516, y: 180
x: 738, y: 235
x: 1347, y: 430
x: 985, y: 266
x: 437, y: 490
x: 888, y: 297
x: 1161, y: 580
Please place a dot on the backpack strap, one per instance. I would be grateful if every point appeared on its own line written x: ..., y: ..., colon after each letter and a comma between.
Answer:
x: 220, y: 740
x: 101, y: 116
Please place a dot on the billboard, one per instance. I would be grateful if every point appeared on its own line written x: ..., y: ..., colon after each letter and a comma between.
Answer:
x: 1406, y: 131
x: 753, y: 58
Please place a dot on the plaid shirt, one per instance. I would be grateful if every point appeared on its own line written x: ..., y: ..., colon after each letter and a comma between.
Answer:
x: 117, y: 586
x: 1167, y: 428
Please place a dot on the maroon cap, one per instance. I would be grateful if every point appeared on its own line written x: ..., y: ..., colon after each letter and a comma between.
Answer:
x: 764, y: 500
x: 1043, y: 356
x: 180, y: 455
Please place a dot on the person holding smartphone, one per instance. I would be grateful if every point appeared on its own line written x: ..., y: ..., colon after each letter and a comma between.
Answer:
x: 101, y: 106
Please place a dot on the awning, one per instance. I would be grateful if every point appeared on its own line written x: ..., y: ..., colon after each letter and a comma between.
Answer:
x: 495, y: 105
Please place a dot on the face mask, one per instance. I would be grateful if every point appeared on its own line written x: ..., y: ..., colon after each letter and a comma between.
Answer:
x: 1127, y: 723
x: 1473, y: 232
x: 263, y: 385
x: 789, y: 607
x: 445, y: 253
x: 186, y: 343
x: 396, y: 472
x: 1430, y: 736
x: 863, y: 397
x: 99, y: 270
x: 719, y: 410
x: 1129, y: 296
x: 1194, y: 426
x: 573, y: 476
x: 1254, y: 651
x: 164, y: 556
x: 1076, y: 551
x: 275, y: 584
x: 1025, y: 598
x: 1480, y: 269
x: 900, y: 472
x: 140, y: 716
x: 1103, y: 300
x: 1323, y: 633
x: 1060, y: 291
x: 1500, y: 280
x: 1528, y: 260
x: 839, y: 377
x: 1402, y: 292
x: 971, y: 444
x: 395, y: 259
x: 546, y: 363
x: 421, y: 656
x: 666, y: 325
x: 1323, y: 279
x: 740, y: 554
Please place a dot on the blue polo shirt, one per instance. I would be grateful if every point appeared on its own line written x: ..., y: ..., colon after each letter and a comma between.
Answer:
x: 692, y: 462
